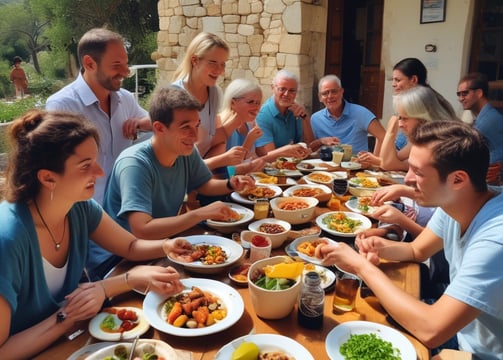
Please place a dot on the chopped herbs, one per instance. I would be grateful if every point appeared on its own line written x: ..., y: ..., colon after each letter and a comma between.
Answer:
x: 368, y: 347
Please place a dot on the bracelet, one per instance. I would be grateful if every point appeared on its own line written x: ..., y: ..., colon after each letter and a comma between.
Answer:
x: 229, y: 186
x: 103, y: 287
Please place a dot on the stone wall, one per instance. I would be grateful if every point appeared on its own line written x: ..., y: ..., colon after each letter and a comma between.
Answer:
x: 264, y: 36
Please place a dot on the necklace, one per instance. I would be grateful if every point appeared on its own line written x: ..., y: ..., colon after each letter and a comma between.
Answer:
x: 57, y: 245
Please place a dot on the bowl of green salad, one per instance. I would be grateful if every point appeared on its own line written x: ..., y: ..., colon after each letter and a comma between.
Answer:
x: 274, y: 285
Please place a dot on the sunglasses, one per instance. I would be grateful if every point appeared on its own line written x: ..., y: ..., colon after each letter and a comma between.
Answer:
x: 463, y: 93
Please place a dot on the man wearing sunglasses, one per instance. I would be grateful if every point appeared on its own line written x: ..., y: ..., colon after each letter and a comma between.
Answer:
x: 284, y: 122
x: 472, y: 93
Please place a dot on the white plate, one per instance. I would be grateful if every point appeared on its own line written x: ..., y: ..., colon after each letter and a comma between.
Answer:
x: 140, y: 329
x: 245, y: 201
x: 161, y: 349
x: 366, y: 224
x: 85, y: 351
x: 266, y: 342
x: 340, y: 334
x: 233, y: 250
x: 356, y: 182
x: 241, y: 210
x: 309, y: 238
x: 350, y: 165
x: 153, y: 303
x: 327, y: 276
x: 289, y: 181
x: 317, y: 163
x: 352, y: 205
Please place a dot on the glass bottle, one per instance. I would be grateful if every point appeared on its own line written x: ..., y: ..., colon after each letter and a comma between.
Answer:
x: 311, y: 302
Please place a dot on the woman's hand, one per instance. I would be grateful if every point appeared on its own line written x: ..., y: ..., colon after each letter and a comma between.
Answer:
x: 235, y: 155
x: 253, y: 134
x: 160, y: 279
x: 84, y: 302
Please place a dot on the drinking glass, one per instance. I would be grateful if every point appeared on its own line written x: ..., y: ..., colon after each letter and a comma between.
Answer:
x: 340, y: 187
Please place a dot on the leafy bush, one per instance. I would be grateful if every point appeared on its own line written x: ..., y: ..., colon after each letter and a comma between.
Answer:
x: 10, y: 110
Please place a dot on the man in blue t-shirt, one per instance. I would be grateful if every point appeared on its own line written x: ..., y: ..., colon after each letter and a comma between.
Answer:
x: 472, y: 94
x: 284, y: 123
x: 148, y: 183
x: 447, y: 168
x: 342, y: 121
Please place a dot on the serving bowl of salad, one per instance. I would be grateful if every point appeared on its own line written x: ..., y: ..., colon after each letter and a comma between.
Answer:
x: 274, y: 285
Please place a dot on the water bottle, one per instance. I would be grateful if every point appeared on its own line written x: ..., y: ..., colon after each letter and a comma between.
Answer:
x: 311, y: 302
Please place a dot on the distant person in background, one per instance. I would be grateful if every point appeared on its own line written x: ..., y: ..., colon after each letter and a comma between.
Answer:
x: 18, y: 78
x: 97, y: 94
x: 472, y: 93
x: 284, y: 122
x: 342, y: 121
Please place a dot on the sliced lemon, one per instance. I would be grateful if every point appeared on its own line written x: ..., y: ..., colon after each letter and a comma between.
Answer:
x: 283, y: 270
x: 246, y: 351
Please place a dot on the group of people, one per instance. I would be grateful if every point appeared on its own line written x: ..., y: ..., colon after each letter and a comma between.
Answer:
x: 81, y: 193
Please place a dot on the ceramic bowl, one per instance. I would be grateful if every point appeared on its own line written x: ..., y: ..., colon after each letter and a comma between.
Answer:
x: 325, y: 194
x: 293, y: 217
x: 272, y: 304
x: 276, y: 239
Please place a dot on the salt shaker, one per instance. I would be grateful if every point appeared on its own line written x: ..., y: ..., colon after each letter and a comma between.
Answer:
x: 311, y: 302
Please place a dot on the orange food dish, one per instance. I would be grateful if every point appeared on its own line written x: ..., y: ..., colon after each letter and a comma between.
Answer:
x: 293, y: 205
x: 309, y: 247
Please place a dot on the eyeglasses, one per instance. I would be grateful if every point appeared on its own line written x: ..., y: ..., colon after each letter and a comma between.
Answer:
x: 329, y: 92
x: 284, y: 90
x: 463, y: 93
x: 215, y: 65
x: 403, y: 118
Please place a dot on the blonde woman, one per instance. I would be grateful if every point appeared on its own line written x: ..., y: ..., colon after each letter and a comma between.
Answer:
x: 413, y: 107
x: 198, y: 73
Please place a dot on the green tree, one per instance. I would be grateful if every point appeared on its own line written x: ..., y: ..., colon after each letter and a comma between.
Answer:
x: 136, y: 20
x: 23, y: 29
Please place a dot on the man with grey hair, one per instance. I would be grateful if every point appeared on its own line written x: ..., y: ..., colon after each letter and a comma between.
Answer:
x: 347, y: 122
x: 284, y: 122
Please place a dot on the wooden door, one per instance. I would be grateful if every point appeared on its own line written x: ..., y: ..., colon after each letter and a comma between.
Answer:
x: 372, y: 77
x: 353, y: 50
x: 333, y: 57
x: 487, y: 47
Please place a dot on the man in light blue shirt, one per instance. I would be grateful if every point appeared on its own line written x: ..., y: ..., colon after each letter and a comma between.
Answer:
x: 447, y: 168
x: 97, y: 94
x: 347, y: 122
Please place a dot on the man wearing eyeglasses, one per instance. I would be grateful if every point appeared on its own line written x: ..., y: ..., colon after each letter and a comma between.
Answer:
x: 472, y: 93
x: 284, y: 122
x: 346, y: 122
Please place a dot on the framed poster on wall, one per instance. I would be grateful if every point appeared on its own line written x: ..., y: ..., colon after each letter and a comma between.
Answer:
x: 432, y: 11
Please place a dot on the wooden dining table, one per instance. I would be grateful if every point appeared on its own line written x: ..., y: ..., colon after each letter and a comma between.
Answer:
x: 404, y: 275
